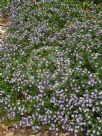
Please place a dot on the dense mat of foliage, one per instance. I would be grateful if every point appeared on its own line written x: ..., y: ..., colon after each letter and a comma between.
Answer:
x: 4, y: 3
x: 51, y: 67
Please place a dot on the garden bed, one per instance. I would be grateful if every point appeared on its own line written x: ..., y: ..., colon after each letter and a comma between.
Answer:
x: 51, y: 73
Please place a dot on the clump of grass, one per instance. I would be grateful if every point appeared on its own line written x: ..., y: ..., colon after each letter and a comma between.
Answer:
x: 51, y: 70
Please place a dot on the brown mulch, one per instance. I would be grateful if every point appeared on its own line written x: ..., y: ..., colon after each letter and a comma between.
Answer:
x: 6, y: 130
x: 3, y: 28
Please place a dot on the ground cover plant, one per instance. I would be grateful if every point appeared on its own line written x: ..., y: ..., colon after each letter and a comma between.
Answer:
x: 51, y: 67
x: 3, y: 4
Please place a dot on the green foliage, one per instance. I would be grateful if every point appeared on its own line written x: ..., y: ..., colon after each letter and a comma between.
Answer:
x: 3, y: 7
x: 52, y: 66
x: 4, y: 3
